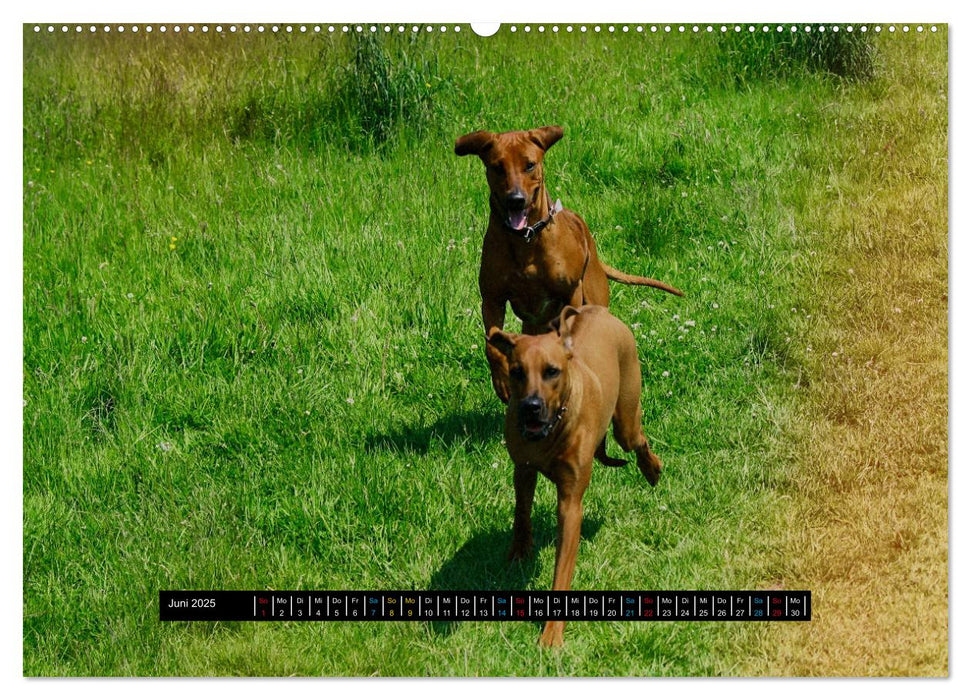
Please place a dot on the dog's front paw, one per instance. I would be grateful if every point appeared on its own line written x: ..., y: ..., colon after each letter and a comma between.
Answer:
x: 520, y: 549
x: 552, y: 635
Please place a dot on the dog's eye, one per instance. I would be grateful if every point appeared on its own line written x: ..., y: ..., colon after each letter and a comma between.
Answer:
x: 517, y: 373
x: 530, y: 166
x: 551, y: 373
x: 497, y: 168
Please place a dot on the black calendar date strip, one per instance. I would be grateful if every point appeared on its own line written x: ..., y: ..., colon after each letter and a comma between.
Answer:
x: 457, y: 606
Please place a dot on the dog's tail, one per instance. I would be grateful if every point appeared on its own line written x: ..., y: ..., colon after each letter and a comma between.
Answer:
x: 605, y: 459
x: 618, y: 276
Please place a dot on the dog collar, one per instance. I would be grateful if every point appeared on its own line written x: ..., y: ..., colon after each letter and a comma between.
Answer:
x: 548, y: 429
x: 530, y: 232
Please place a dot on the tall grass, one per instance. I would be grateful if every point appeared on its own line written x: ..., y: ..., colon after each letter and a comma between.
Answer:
x: 154, y: 94
x: 381, y: 91
x: 758, y: 55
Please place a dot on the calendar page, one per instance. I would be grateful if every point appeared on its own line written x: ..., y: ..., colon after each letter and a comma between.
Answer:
x: 437, y: 349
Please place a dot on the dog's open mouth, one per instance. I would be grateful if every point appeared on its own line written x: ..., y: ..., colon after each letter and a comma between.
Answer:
x: 516, y: 220
x: 533, y: 428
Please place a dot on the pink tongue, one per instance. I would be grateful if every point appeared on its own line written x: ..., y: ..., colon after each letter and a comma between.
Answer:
x: 517, y: 221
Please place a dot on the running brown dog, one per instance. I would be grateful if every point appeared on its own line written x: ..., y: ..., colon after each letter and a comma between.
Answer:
x: 536, y: 255
x: 567, y: 386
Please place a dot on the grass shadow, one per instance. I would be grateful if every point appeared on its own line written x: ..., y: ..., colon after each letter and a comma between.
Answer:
x: 454, y: 428
x: 481, y: 565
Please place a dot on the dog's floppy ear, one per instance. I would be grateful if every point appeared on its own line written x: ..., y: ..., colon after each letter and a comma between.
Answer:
x: 563, y: 327
x: 502, y: 341
x: 546, y: 136
x: 559, y: 324
x: 478, y: 142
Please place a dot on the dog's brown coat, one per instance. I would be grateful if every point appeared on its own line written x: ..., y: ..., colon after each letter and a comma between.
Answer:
x: 540, y: 277
x: 590, y: 367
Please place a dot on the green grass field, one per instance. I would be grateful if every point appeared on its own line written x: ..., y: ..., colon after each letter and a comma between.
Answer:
x: 253, y: 356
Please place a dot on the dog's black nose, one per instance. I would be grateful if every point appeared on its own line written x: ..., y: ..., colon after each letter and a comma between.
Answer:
x: 516, y: 201
x: 531, y: 406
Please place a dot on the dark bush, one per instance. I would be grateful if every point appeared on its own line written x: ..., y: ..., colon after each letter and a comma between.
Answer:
x: 382, y: 89
x: 754, y: 55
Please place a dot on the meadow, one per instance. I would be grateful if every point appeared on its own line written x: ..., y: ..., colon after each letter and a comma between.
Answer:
x: 253, y: 357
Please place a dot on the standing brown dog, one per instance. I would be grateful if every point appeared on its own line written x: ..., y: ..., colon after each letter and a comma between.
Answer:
x: 536, y: 255
x: 567, y: 387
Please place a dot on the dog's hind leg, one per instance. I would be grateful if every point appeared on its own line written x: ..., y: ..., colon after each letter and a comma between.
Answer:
x: 649, y: 463
x: 631, y: 437
x: 627, y: 424
x: 604, y: 458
